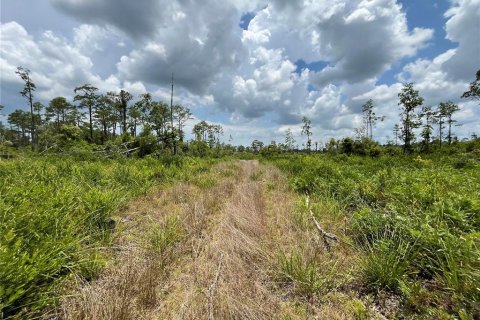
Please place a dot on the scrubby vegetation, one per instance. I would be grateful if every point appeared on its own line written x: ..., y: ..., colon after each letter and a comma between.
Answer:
x: 407, y: 228
x: 413, y: 220
x: 56, y: 214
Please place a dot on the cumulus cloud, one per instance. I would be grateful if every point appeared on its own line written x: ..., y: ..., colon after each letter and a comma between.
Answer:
x: 58, y: 65
x: 463, y: 26
x: 364, y: 41
x: 138, y: 20
x: 55, y: 63
x: 250, y: 77
x: 266, y: 82
x: 195, y: 56
x: 195, y: 40
x: 359, y: 39
x: 203, y: 45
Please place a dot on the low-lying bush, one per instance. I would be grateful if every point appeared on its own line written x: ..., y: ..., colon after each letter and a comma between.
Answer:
x: 415, y: 220
x: 56, y: 211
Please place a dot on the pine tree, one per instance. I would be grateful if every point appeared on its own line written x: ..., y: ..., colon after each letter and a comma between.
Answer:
x: 447, y: 109
x: 409, y: 100
x: 370, y: 118
x: 428, y: 114
x: 27, y: 92
x: 289, y: 140
x: 87, y: 97
x: 307, y: 130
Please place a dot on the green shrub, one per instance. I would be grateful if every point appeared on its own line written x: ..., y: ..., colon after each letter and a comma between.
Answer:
x: 55, y: 212
x: 416, y: 219
x: 386, y: 263
x: 464, y: 163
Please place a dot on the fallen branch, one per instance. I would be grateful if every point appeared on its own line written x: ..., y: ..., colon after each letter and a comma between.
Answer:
x: 128, y: 151
x: 325, y: 235
x: 212, y: 288
x: 48, y: 149
x: 328, y: 235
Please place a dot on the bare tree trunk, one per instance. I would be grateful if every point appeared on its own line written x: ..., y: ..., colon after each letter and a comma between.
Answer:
x: 32, y: 119
x: 450, y: 130
x: 91, y: 123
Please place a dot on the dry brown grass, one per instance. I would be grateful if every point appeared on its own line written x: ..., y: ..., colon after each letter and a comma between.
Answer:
x: 231, y: 260
x: 134, y: 284
x: 121, y: 293
x: 224, y: 262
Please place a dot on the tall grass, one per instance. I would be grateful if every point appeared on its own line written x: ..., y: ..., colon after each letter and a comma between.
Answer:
x: 416, y: 221
x: 56, y: 212
x: 307, y: 275
x: 386, y: 262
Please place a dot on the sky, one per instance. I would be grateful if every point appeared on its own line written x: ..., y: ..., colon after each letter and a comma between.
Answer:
x: 255, y: 67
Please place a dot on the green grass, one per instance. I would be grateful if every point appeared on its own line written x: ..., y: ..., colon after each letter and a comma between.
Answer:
x: 55, y: 212
x: 385, y: 263
x: 307, y: 275
x: 163, y: 236
x: 415, y: 221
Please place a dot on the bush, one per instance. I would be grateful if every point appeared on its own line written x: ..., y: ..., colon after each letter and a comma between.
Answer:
x: 147, y: 142
x: 464, y: 163
x: 7, y: 144
x: 199, y: 149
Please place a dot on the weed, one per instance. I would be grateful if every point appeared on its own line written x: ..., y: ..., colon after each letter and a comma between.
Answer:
x: 385, y: 263
x: 204, y: 181
x: 163, y: 236
x: 307, y: 275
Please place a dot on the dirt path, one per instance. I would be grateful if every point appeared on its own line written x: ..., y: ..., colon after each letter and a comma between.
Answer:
x: 206, y: 249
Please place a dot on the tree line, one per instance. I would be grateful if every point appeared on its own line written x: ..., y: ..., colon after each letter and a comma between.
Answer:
x: 414, y: 115
x: 100, y: 118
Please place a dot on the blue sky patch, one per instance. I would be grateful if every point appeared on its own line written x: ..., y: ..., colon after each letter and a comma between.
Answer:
x: 313, y: 66
x: 245, y: 20
x: 429, y: 14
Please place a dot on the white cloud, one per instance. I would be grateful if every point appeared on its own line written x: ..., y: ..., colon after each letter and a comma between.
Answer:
x: 57, y: 65
x: 91, y: 38
x: 463, y: 26
x: 249, y: 76
x: 363, y: 41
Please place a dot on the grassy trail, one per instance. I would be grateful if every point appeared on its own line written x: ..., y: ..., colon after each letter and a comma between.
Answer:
x: 222, y: 246
x: 190, y: 251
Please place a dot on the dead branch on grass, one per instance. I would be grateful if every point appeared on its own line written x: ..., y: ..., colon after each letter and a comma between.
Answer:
x: 211, y: 290
x: 325, y: 235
